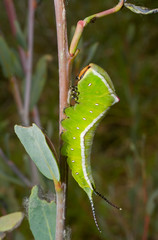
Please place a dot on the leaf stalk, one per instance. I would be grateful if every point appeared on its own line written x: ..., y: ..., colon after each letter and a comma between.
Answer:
x: 92, y: 18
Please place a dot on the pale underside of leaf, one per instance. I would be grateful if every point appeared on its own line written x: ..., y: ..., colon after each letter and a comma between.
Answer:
x: 11, y: 221
x: 36, y: 146
x: 42, y: 217
x: 140, y: 9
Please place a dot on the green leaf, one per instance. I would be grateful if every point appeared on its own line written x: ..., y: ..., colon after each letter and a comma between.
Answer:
x: 140, y: 9
x: 39, y: 79
x: 5, y: 177
x: 11, y: 221
x: 36, y: 146
x: 151, y: 202
x: 9, y: 61
x: 6, y: 60
x: 20, y: 36
x: 17, y: 68
x: 42, y: 217
x: 91, y: 53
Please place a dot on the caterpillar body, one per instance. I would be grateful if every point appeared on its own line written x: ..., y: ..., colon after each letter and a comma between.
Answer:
x: 94, y: 95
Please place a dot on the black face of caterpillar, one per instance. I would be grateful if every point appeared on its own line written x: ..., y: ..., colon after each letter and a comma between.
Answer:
x: 74, y: 94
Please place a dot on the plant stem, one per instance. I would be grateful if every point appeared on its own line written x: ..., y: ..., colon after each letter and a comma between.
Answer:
x: 145, y: 190
x: 11, y: 14
x: 29, y: 61
x: 83, y: 23
x: 60, y: 218
x: 146, y: 227
x: 12, y: 19
x: 36, y: 117
x: 24, y: 114
x: 63, y: 56
x: 64, y: 76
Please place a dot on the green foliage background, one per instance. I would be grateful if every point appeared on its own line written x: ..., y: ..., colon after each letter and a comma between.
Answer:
x: 125, y: 149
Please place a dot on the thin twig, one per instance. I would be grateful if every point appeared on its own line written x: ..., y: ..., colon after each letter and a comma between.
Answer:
x: 145, y: 190
x: 36, y: 117
x: 24, y: 115
x: 12, y: 19
x: 10, y: 9
x: 83, y: 23
x: 15, y: 169
x: 146, y: 227
x: 11, y: 14
x: 29, y: 61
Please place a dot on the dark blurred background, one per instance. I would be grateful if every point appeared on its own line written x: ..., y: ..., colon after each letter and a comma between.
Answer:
x: 125, y: 149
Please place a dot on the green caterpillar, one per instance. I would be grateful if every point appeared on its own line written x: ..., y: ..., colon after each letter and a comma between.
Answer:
x: 94, y: 95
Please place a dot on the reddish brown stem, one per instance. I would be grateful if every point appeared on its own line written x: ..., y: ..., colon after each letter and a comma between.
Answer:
x: 145, y: 192
x: 83, y: 23
x: 11, y: 14
x: 146, y: 227
x: 145, y: 198
x: 36, y: 117
x: 64, y: 70
x: 27, y: 67
x: 10, y: 9
x: 63, y: 56
x: 12, y: 19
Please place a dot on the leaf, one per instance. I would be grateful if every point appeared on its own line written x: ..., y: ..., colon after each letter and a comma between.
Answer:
x: 5, y: 177
x: 17, y: 68
x: 140, y: 9
x: 11, y: 221
x: 39, y: 79
x: 6, y: 60
x: 20, y: 36
x: 36, y: 146
x: 151, y: 202
x: 9, y: 61
x: 42, y: 217
x: 91, y: 52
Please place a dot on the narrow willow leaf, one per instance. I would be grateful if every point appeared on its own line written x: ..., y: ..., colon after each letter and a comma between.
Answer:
x: 36, y: 146
x: 151, y: 202
x: 42, y: 217
x: 9, y: 61
x: 20, y: 36
x: 91, y: 53
x: 17, y: 68
x: 39, y: 79
x: 11, y: 221
x: 5, y: 177
x: 140, y: 9
x: 6, y: 60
